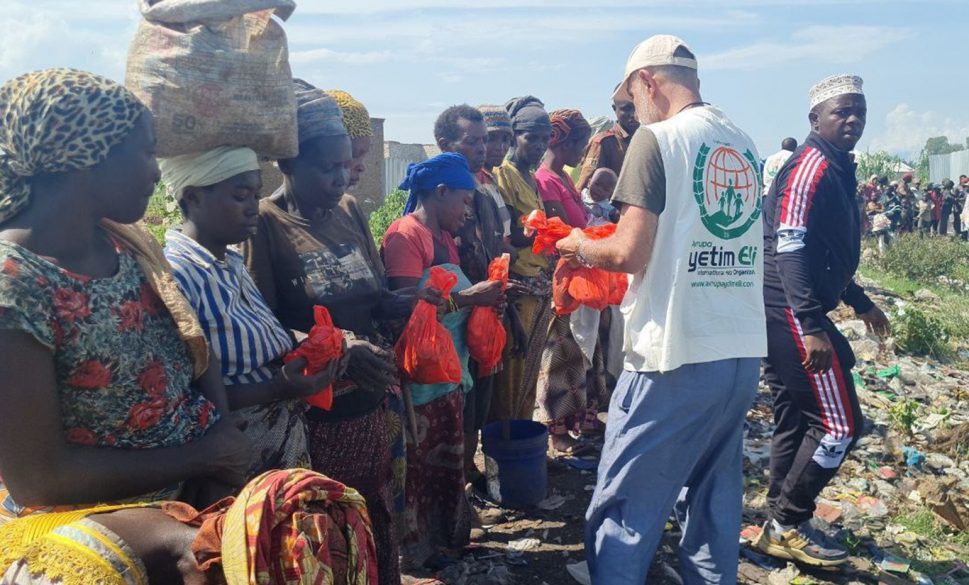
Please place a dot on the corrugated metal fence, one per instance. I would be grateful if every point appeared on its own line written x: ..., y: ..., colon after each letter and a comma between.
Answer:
x: 394, y: 171
x: 948, y: 166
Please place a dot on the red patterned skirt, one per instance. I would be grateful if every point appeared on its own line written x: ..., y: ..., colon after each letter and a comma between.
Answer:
x: 438, y: 515
x: 355, y: 452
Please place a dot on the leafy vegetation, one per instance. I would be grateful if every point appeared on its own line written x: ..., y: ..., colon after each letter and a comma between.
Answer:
x: 162, y: 214
x: 385, y: 215
x: 937, y: 328
x: 917, y: 333
x: 924, y: 260
x: 904, y: 415
x: 878, y: 163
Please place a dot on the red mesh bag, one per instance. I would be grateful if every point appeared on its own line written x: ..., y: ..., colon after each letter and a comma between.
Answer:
x: 618, y: 284
x: 425, y: 351
x: 600, y: 231
x: 573, y: 286
x: 323, y: 345
x: 563, y: 301
x: 547, y: 231
x: 486, y: 334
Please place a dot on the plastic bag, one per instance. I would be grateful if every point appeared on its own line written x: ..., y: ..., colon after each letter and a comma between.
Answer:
x: 425, y: 351
x: 486, y: 333
x: 323, y: 345
x: 573, y: 286
x: 547, y: 231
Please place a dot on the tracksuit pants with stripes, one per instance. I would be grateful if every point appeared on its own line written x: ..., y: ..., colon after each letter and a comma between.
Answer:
x: 817, y: 417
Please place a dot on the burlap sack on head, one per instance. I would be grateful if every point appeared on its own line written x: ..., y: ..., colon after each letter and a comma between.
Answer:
x: 215, y: 72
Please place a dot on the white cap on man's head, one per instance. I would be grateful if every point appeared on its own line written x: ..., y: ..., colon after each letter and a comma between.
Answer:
x: 655, y: 51
x: 834, y: 86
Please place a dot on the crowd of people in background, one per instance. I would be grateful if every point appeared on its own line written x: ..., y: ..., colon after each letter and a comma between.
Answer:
x: 150, y: 418
x: 906, y: 206
x: 894, y: 207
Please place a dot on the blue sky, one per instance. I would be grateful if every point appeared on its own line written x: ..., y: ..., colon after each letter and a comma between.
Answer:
x: 409, y: 59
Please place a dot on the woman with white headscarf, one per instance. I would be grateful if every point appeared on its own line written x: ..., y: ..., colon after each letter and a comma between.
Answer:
x: 218, y: 194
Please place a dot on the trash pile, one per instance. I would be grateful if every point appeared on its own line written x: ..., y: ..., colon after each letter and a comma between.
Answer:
x: 901, y: 499
x: 900, y: 503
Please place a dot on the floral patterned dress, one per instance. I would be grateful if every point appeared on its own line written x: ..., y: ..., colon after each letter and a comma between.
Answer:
x: 123, y: 374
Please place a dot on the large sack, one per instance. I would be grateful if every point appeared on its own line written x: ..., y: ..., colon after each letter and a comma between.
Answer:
x: 215, y: 72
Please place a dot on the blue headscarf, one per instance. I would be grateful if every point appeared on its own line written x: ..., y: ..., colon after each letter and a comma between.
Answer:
x: 450, y: 169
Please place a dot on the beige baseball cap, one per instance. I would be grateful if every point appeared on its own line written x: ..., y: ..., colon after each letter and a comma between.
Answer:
x: 654, y: 51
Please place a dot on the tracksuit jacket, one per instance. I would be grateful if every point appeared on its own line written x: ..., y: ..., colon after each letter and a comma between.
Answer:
x: 812, y: 235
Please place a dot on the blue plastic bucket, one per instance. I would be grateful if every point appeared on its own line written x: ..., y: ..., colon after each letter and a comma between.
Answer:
x: 516, y: 468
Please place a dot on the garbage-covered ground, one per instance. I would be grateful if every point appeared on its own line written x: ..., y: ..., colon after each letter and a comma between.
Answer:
x: 900, y: 503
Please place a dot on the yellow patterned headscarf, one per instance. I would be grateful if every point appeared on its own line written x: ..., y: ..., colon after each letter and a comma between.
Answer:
x: 355, y: 116
x: 57, y: 120
x: 298, y: 527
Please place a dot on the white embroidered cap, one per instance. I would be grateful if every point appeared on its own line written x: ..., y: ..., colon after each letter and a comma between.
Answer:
x: 834, y: 86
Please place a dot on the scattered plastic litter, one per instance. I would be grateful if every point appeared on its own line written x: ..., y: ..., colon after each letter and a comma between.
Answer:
x: 913, y: 457
x: 895, y: 564
x: 524, y: 545
x: 872, y: 506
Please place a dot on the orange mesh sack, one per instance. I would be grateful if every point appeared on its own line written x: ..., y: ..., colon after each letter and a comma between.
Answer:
x: 600, y: 231
x: 425, y: 351
x: 486, y: 334
x: 547, y: 231
x: 618, y: 284
x: 590, y: 287
x: 323, y: 345
x: 562, y: 300
x: 573, y: 286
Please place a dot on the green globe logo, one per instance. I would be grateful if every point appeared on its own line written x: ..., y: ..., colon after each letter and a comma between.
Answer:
x: 726, y: 186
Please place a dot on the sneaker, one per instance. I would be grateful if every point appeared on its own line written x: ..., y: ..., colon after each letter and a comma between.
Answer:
x: 804, y: 543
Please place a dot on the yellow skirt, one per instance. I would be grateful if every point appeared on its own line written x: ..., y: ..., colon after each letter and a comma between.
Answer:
x: 67, y: 548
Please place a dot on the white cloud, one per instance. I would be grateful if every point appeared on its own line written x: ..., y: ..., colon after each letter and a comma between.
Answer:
x: 815, y: 44
x: 905, y: 130
x: 54, y: 34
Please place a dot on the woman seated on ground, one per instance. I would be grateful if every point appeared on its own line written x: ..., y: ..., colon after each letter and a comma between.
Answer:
x: 218, y: 194
x: 571, y: 380
x: 438, y: 515
x: 107, y: 387
x: 313, y: 247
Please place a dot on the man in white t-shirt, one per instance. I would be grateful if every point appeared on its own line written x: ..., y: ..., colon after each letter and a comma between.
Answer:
x: 775, y: 161
x: 690, y: 235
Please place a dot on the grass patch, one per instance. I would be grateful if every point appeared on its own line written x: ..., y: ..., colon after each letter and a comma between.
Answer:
x: 924, y: 260
x: 949, y: 317
x: 926, y: 525
x: 933, y: 532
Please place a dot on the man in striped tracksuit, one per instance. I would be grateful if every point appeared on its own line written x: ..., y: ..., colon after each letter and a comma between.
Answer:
x: 812, y: 247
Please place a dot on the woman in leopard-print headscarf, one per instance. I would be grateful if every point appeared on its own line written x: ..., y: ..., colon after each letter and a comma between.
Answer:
x: 106, y: 386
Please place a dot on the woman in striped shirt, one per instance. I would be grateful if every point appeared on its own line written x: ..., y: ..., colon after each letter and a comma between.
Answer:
x: 218, y: 194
